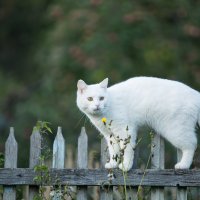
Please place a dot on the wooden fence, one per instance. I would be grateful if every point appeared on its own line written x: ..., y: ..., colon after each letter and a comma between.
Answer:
x: 157, y: 177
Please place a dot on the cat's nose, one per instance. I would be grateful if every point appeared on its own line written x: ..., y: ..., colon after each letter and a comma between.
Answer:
x: 97, y: 107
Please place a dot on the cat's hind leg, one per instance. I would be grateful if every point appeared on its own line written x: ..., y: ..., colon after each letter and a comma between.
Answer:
x: 187, y: 143
x: 186, y: 160
x: 183, y: 138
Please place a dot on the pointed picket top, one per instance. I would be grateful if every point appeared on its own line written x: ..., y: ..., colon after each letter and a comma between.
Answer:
x: 11, y: 137
x: 35, y: 147
x: 83, y: 134
x: 82, y: 161
x: 59, y: 135
x: 35, y: 133
x: 11, y: 150
x: 59, y: 150
x: 12, y: 130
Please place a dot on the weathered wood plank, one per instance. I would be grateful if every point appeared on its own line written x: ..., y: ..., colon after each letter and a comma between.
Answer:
x: 104, y: 153
x: 11, y: 151
x: 181, y: 192
x: 97, y: 177
x: 59, y: 150
x: 58, y: 156
x: 157, y: 162
x: 82, y: 161
x: 132, y: 192
x: 106, y: 193
x: 35, y: 153
x: 157, y: 152
x: 35, y: 148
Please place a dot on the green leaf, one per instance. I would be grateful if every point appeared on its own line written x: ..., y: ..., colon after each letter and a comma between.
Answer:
x: 48, y: 128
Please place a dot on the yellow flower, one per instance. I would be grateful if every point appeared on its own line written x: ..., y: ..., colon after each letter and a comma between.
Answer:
x: 104, y: 120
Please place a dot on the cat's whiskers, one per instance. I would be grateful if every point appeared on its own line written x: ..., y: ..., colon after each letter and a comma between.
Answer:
x: 79, y: 121
x: 86, y: 120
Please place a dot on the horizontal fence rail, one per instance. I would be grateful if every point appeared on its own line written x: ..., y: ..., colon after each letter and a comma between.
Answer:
x: 99, y: 177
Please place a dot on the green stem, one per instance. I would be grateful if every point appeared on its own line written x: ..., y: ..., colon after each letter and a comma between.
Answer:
x: 124, y: 176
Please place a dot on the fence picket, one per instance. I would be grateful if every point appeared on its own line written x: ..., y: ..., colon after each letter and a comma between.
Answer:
x: 106, y: 193
x: 59, y: 150
x: 58, y: 156
x: 11, y: 150
x: 82, y: 161
x: 157, y: 162
x: 35, y: 153
x: 181, y: 192
x: 132, y: 192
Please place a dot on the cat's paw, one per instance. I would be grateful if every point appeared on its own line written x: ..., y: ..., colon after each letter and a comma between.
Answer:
x: 181, y: 166
x: 125, y: 166
x: 110, y: 165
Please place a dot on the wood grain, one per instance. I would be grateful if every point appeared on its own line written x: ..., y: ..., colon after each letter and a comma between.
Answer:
x: 97, y: 177
x: 35, y: 153
x: 82, y: 161
x: 11, y: 150
x: 157, y: 162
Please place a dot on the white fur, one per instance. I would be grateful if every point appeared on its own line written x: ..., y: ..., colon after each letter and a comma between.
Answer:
x: 171, y: 108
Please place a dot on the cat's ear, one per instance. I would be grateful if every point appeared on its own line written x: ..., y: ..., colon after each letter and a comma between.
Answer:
x: 81, y: 85
x: 104, y: 83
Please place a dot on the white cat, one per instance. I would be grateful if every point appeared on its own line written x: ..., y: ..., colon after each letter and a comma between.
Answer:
x: 171, y: 108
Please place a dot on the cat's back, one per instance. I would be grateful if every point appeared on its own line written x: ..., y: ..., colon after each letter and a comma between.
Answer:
x: 152, y: 86
x: 143, y: 83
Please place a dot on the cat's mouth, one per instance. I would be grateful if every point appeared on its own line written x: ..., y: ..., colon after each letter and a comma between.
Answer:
x: 96, y: 111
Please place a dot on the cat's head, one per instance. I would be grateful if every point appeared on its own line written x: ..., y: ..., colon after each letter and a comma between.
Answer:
x: 92, y: 99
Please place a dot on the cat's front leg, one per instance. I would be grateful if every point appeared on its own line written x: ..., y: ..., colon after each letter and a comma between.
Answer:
x: 127, y: 146
x: 114, y: 153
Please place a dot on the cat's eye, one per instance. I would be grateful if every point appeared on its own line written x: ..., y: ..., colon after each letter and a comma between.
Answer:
x: 101, y: 98
x: 90, y: 99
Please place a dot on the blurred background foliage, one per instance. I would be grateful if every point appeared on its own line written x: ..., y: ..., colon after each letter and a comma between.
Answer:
x: 47, y: 45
